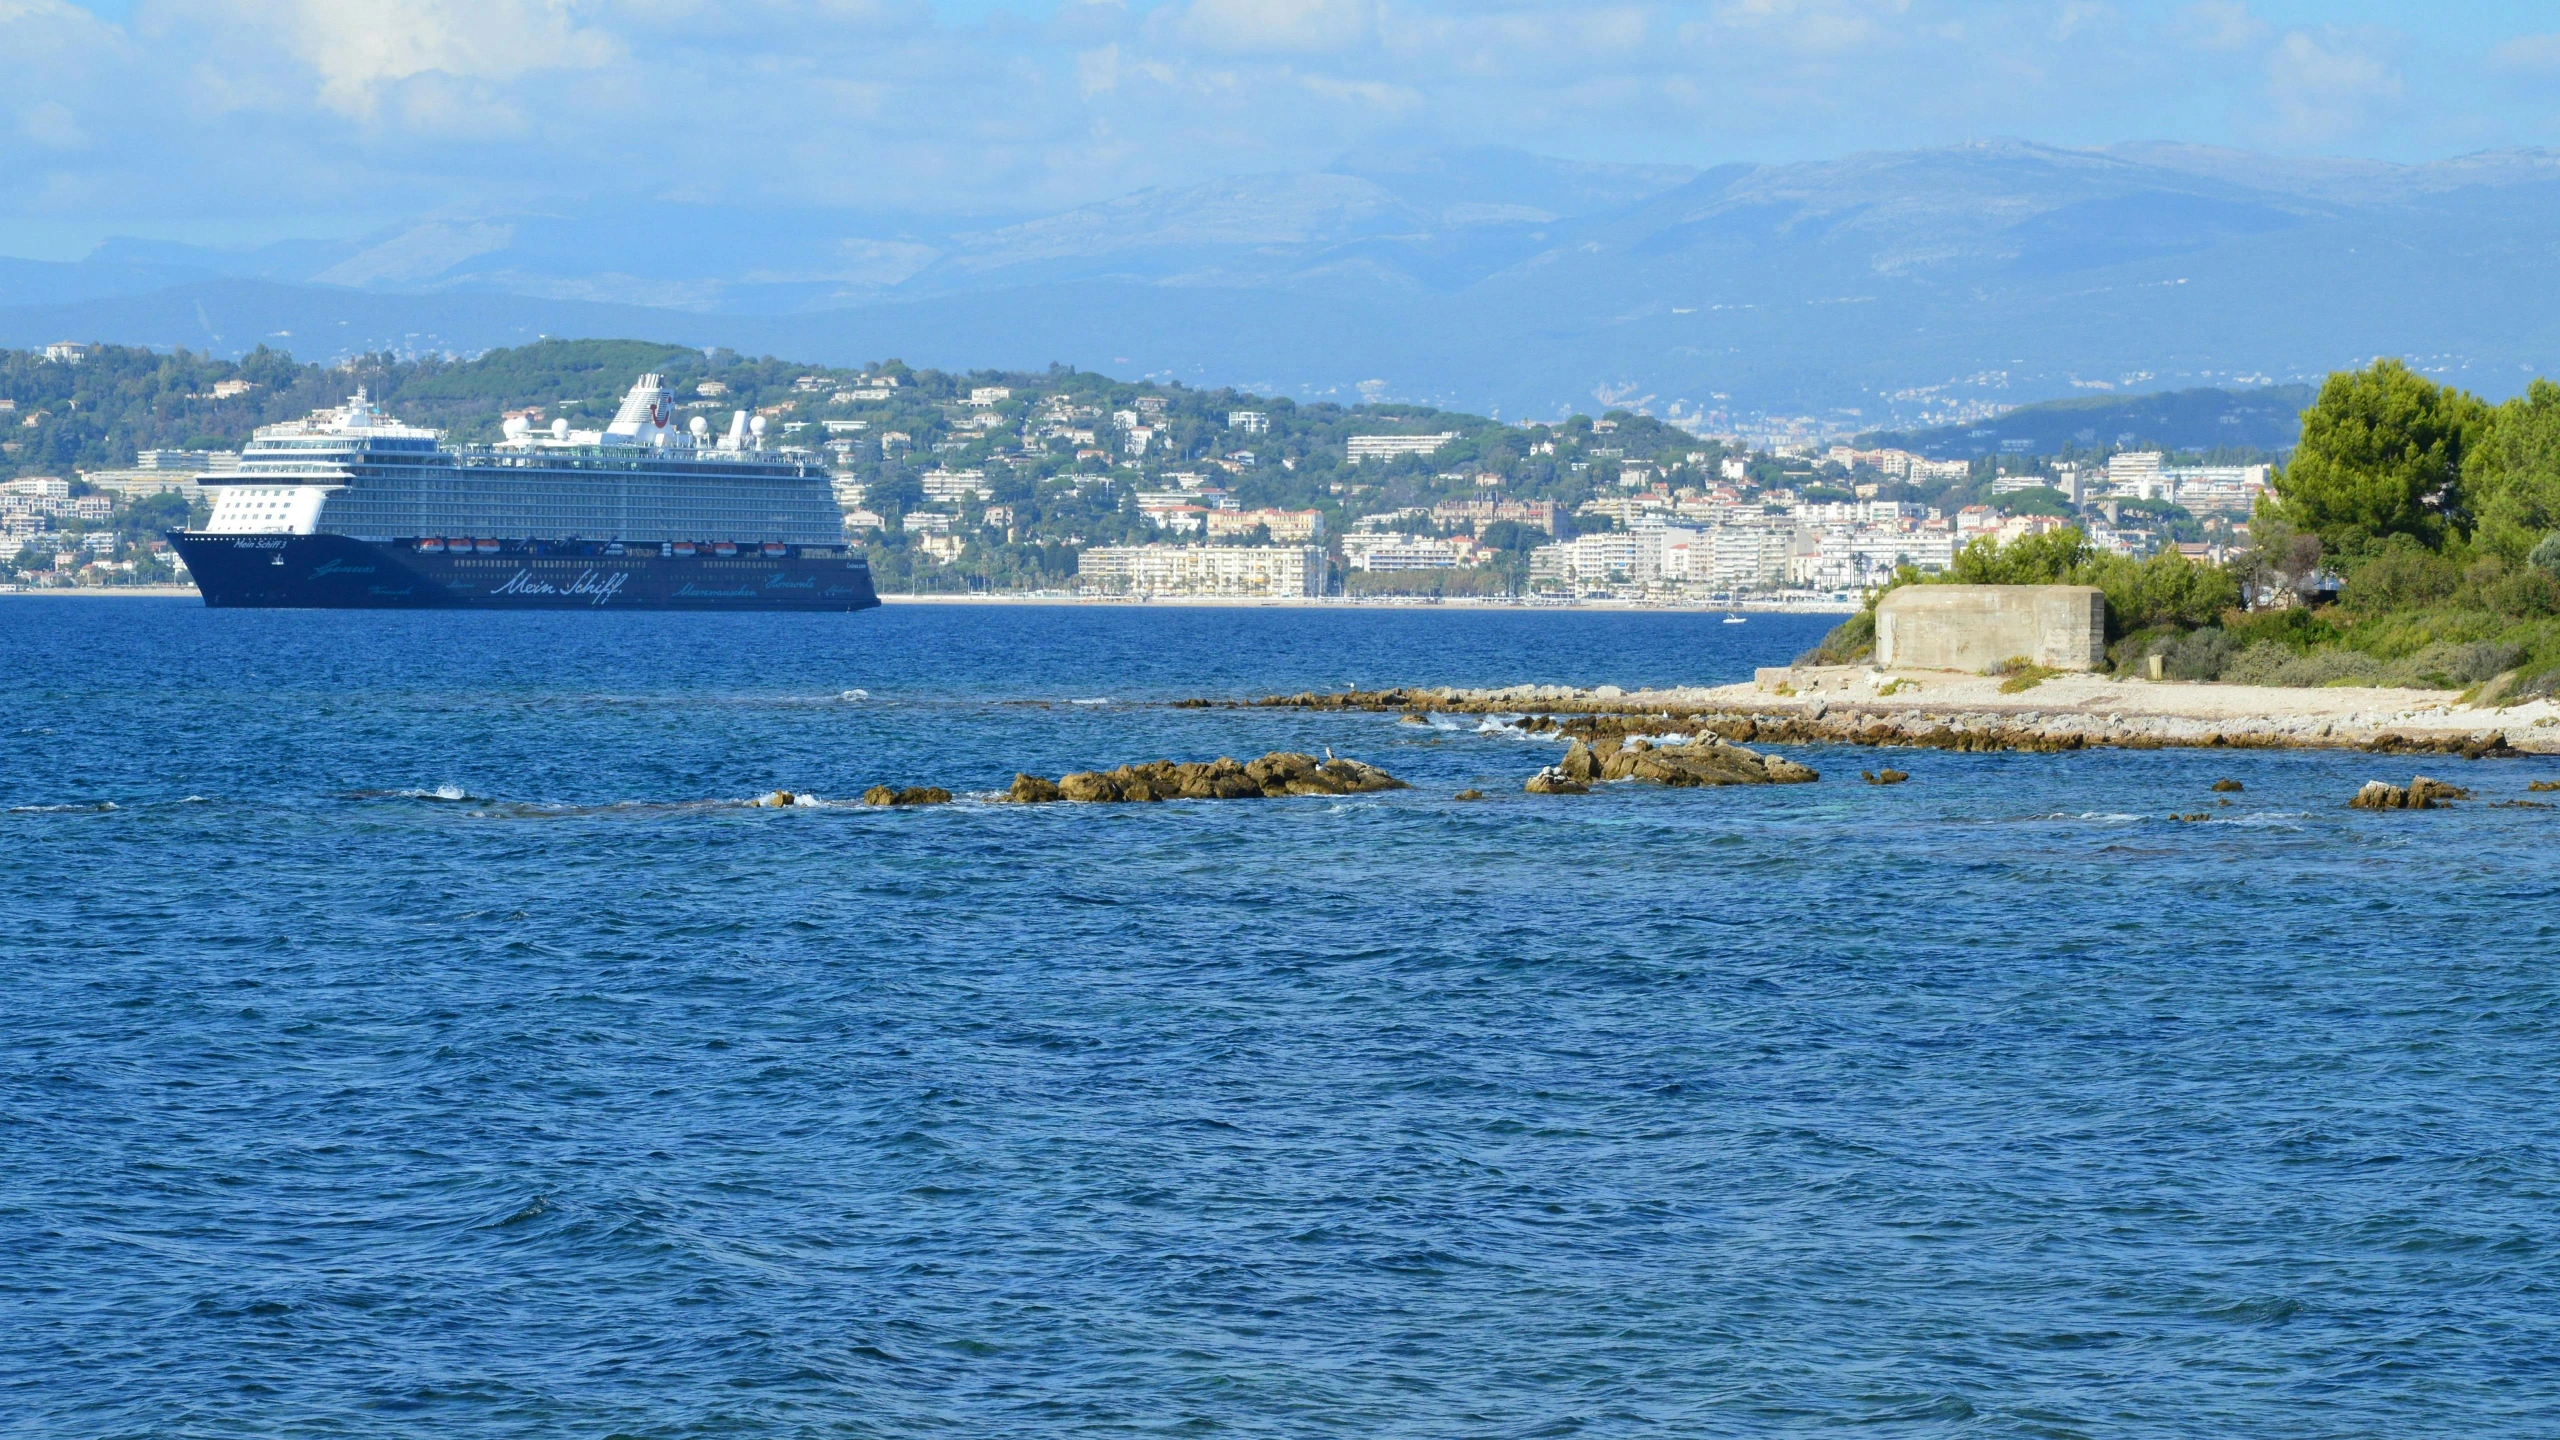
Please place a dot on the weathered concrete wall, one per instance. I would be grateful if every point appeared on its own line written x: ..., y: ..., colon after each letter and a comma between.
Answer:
x: 1975, y: 627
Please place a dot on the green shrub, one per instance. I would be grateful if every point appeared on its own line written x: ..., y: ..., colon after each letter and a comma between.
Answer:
x: 2546, y: 556
x: 2270, y: 662
x: 1849, y: 642
x: 2402, y: 575
x: 2197, y: 655
x: 2452, y: 665
x: 2297, y: 629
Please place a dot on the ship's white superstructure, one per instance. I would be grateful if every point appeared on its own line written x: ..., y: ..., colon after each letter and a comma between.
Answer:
x: 353, y: 471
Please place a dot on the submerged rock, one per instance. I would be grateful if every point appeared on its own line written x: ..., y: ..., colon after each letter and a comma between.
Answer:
x: 774, y: 800
x: 1468, y: 795
x: 1883, y: 777
x: 2228, y: 787
x: 1276, y: 774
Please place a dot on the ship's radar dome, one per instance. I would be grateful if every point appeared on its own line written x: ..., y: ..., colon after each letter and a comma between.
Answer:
x: 700, y: 427
x: 756, y: 426
x: 560, y: 429
x: 515, y: 427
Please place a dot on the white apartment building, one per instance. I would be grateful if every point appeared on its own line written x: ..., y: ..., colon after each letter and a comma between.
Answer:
x: 1586, y: 561
x: 1404, y: 552
x: 2226, y: 489
x: 2133, y: 467
x: 1381, y: 447
x: 1745, y: 558
x: 944, y: 487
x: 1251, y: 422
x: 1287, y: 527
x: 1242, y: 570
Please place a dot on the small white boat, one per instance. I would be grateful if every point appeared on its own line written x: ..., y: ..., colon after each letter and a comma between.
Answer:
x: 1732, y: 619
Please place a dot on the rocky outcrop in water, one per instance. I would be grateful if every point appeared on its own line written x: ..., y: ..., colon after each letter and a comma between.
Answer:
x: 2422, y: 794
x: 1553, y: 781
x: 1279, y: 773
x: 1707, y: 760
x: 908, y: 795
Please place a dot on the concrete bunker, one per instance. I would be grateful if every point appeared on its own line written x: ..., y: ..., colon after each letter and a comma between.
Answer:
x: 1977, y: 627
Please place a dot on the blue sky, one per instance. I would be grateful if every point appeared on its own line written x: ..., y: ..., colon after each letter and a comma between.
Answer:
x: 247, y: 120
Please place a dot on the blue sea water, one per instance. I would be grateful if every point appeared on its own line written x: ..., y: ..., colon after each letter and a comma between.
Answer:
x: 405, y: 1032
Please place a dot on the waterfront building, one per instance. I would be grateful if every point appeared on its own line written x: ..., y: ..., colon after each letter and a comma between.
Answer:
x: 1405, y: 552
x: 1170, y: 570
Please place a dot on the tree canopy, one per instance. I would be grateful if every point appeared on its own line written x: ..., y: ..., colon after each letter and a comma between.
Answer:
x: 2382, y: 454
x: 2511, y: 478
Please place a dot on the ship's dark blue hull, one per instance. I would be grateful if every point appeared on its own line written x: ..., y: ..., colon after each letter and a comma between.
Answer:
x: 339, y: 572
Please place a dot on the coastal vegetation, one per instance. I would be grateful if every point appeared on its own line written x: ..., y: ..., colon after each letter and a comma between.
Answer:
x: 2413, y: 538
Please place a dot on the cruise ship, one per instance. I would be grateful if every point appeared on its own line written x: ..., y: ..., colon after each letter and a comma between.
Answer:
x: 352, y: 509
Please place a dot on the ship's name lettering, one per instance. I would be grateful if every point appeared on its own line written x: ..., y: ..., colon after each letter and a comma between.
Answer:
x: 596, y: 588
x: 340, y: 567
x: 784, y: 582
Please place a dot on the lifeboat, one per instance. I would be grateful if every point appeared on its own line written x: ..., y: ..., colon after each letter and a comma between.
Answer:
x: 485, y: 547
x: 432, y: 545
x: 773, y: 547
x: 684, y: 547
x: 725, y: 549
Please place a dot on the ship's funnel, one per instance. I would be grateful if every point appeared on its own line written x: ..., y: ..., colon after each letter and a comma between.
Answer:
x: 643, y: 410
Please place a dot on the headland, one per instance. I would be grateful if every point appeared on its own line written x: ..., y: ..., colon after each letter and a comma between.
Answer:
x: 1954, y: 710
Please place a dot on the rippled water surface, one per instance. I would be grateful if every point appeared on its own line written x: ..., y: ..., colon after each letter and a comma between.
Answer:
x: 406, y: 1033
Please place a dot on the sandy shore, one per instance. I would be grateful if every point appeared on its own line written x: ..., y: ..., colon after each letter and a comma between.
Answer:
x: 1948, y: 709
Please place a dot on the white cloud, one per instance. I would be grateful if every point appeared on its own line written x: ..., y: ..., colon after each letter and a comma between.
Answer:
x: 360, y: 51
x: 2528, y: 55
x: 1814, y: 26
x: 1262, y: 27
x: 2219, y: 25
x: 2327, y: 87
x: 50, y: 123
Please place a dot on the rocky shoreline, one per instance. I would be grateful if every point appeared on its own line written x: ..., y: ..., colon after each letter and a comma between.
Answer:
x: 1277, y: 774
x: 1942, y: 711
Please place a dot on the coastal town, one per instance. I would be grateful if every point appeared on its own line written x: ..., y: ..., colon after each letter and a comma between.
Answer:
x: 1071, y: 483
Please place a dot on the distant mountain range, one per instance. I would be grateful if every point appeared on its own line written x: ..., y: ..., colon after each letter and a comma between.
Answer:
x: 2268, y: 418
x: 1880, y: 291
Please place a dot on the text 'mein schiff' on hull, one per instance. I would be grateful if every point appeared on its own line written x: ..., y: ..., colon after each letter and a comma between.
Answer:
x: 350, y: 508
